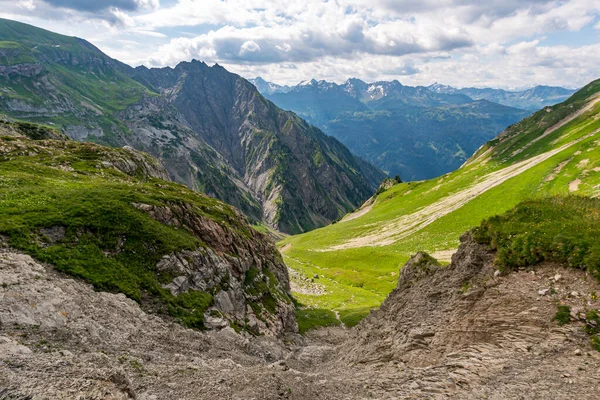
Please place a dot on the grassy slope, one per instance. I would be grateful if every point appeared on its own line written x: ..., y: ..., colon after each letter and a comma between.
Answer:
x: 358, y: 279
x: 107, y: 241
x: 79, y: 74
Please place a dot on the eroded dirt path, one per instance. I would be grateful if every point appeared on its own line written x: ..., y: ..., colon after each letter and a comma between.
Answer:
x: 365, y: 208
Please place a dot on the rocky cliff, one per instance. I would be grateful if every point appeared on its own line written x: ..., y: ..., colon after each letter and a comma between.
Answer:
x: 468, y: 331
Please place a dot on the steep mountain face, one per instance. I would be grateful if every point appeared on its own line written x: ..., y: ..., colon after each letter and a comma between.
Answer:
x: 303, y: 178
x: 531, y: 99
x: 414, y: 132
x: 554, y: 151
x: 212, y: 129
x: 317, y: 101
x: 108, y: 216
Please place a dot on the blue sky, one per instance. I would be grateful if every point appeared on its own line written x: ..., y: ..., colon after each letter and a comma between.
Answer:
x: 496, y: 43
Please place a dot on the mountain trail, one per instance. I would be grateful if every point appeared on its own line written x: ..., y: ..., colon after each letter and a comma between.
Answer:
x: 405, y: 225
x: 365, y: 208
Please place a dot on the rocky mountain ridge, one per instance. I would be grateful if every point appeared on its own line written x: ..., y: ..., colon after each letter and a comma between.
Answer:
x: 213, y: 131
x: 413, y: 132
x: 532, y: 99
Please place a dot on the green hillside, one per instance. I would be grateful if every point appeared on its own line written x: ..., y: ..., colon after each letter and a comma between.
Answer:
x: 554, y: 151
x: 91, y: 211
x: 84, y: 83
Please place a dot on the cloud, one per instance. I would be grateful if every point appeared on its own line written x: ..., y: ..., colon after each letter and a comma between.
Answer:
x: 97, y: 5
x: 459, y: 42
x: 304, y: 43
x: 27, y: 4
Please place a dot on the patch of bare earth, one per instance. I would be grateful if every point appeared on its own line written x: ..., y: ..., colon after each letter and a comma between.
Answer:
x: 365, y: 208
x: 443, y: 255
x: 557, y: 170
x: 574, y: 185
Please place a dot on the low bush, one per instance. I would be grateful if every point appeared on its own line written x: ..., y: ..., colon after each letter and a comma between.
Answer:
x: 562, y: 229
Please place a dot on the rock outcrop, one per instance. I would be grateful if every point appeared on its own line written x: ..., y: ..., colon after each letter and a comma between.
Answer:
x: 247, y: 274
x: 466, y: 331
x: 180, y: 254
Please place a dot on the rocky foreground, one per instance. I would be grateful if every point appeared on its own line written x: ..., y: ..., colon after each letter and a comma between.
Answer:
x: 459, y: 331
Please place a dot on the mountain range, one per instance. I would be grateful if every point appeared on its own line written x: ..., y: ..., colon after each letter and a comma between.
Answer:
x: 415, y: 132
x: 532, y: 99
x: 117, y: 281
x: 212, y: 129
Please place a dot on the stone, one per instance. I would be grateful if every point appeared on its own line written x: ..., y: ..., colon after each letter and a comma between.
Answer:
x: 497, y: 273
x: 11, y: 347
x: 578, y: 352
x: 543, y: 292
x: 557, y: 277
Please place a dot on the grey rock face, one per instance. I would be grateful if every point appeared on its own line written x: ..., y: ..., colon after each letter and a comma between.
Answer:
x: 26, y: 70
x: 233, y: 269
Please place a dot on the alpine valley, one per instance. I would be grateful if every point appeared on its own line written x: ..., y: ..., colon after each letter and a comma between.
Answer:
x: 139, y: 210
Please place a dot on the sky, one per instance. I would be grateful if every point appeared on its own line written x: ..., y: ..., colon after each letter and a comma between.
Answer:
x: 483, y: 43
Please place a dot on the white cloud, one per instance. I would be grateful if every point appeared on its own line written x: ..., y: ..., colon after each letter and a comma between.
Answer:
x: 27, y: 5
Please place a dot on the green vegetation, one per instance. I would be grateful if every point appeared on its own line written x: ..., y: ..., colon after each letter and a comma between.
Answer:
x: 561, y: 229
x: 32, y: 131
x: 563, y: 315
x: 592, y: 328
x: 312, y: 318
x: 88, y: 85
x: 62, y: 206
x: 261, y: 289
x: 359, y: 258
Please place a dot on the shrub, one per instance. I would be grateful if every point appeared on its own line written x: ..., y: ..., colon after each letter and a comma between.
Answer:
x: 561, y: 229
x: 563, y: 315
